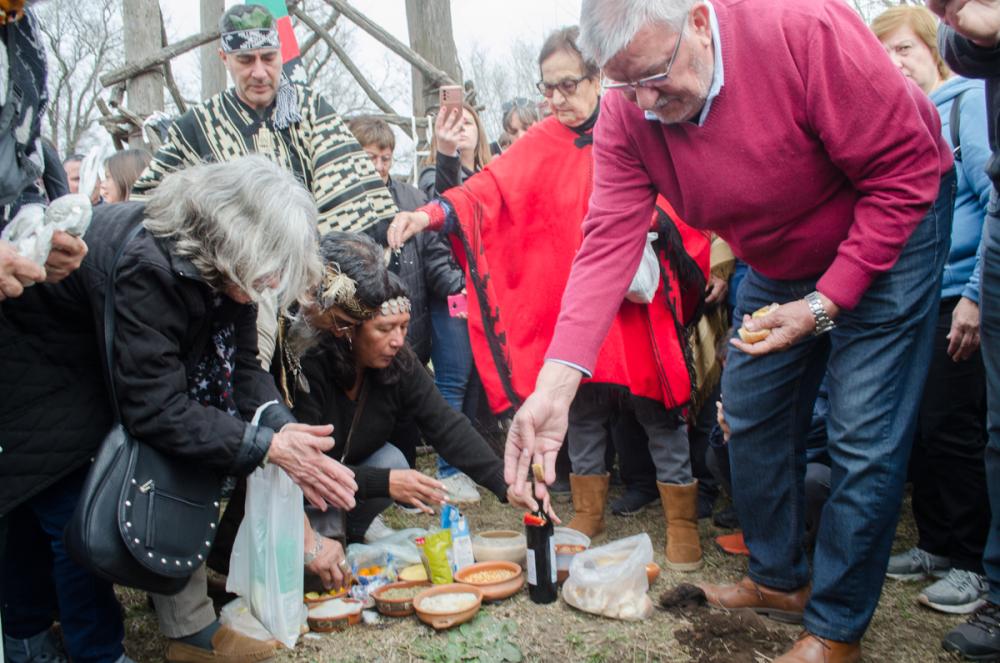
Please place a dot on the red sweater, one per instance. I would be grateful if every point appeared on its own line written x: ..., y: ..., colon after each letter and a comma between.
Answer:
x: 817, y: 159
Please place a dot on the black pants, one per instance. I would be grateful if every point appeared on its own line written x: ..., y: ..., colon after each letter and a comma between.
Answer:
x: 950, y: 504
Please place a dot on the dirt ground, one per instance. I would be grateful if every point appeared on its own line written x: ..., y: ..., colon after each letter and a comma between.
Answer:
x: 902, y: 631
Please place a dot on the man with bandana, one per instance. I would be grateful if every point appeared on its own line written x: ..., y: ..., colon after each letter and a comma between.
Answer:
x: 266, y: 113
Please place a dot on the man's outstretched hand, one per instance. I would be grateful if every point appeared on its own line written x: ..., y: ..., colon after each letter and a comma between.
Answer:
x: 539, y: 428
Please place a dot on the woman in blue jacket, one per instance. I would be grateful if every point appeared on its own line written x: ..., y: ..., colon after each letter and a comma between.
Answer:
x: 950, y: 504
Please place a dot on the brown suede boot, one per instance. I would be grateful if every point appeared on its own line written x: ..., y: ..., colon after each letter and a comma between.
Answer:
x: 680, y: 508
x: 228, y: 646
x: 590, y: 493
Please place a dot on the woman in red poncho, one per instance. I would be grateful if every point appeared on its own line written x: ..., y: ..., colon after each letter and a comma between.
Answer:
x: 519, y: 221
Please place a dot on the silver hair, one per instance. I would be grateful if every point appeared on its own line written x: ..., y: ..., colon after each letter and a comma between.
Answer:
x: 608, y: 26
x: 242, y: 222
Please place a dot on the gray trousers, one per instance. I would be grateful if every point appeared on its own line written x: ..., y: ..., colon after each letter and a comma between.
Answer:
x: 188, y: 611
x: 589, y: 417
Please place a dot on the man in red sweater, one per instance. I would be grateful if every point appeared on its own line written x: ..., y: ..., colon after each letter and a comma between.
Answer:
x: 782, y: 126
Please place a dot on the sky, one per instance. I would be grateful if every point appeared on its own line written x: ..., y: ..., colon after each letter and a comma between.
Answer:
x: 489, y: 24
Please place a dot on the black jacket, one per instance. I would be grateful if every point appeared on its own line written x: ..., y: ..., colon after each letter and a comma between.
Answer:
x: 426, y: 267
x: 972, y: 61
x: 414, y: 397
x: 54, y: 404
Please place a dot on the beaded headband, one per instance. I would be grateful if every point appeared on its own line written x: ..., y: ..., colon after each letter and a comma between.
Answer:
x: 339, y: 289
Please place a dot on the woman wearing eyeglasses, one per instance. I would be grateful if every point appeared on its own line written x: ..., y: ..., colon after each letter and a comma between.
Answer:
x: 520, y: 224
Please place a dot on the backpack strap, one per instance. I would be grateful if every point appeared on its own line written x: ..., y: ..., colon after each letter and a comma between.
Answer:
x: 954, y: 125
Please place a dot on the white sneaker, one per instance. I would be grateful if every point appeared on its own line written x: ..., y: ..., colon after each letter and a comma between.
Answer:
x: 958, y: 593
x: 378, y: 530
x: 917, y: 564
x: 461, y: 489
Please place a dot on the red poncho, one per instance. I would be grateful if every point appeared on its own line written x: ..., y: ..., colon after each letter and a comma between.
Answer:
x: 520, y: 223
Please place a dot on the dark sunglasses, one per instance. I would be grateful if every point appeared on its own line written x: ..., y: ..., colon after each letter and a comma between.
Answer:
x: 567, y: 86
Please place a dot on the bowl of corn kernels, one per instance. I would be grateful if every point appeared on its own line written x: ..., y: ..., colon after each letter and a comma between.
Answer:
x: 497, y: 580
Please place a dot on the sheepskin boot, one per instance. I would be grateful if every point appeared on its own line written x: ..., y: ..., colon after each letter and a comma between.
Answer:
x: 680, y: 508
x: 590, y: 493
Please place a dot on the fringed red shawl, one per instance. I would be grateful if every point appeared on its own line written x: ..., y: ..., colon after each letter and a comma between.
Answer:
x: 520, y: 224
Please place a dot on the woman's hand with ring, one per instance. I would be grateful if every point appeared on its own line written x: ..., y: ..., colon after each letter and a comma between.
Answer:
x: 405, y: 226
x: 329, y: 564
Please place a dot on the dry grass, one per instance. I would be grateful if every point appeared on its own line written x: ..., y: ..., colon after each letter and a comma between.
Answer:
x: 902, y: 631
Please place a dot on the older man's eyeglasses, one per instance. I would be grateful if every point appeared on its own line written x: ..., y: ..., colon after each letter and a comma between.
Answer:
x: 566, y: 86
x: 630, y: 88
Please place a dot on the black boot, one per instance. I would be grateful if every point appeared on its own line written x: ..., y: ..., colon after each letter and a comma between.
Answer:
x: 633, y: 501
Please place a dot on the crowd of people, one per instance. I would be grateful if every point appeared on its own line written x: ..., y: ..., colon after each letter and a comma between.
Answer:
x: 269, y: 292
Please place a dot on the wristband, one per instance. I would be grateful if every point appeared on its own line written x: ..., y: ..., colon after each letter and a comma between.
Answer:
x: 309, y: 556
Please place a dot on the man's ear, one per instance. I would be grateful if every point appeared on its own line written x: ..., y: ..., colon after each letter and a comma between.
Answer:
x: 701, y: 20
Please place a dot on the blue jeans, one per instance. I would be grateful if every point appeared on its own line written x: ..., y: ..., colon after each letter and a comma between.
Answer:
x: 989, y: 310
x: 451, y: 355
x: 40, y: 580
x: 875, y: 360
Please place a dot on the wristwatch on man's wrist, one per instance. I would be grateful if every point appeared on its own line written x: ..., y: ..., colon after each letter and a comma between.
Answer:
x: 823, y: 321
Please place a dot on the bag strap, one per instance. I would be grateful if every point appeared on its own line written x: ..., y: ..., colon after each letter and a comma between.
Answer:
x: 109, y: 320
x: 954, y: 122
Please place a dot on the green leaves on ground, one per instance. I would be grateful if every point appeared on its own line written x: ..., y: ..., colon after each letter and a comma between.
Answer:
x: 484, y: 639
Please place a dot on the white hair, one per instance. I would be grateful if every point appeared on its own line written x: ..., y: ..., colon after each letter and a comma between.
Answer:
x: 608, y: 26
x: 243, y: 222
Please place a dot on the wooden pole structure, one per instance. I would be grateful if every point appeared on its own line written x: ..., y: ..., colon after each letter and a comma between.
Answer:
x: 431, y: 72
x: 213, y: 72
x: 153, y: 60
x: 142, y: 34
x: 342, y: 55
x: 429, y: 25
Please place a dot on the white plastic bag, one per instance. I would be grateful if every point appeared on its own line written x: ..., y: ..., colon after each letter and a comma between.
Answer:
x: 266, y: 564
x: 236, y: 615
x: 611, y: 580
x: 398, y: 544
x: 647, y: 278
x: 31, y: 230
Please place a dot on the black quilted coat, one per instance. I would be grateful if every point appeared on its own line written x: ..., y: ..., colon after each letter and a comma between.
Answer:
x: 54, y: 405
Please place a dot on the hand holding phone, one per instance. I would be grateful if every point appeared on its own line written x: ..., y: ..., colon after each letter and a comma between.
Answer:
x: 450, y: 97
x: 458, y: 305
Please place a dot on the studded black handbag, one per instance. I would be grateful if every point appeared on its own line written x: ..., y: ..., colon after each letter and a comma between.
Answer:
x: 145, y: 519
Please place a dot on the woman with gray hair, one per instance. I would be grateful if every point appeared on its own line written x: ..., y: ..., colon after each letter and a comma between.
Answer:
x: 214, y: 239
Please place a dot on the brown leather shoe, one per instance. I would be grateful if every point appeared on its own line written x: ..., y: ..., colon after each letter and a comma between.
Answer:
x: 776, y: 604
x: 811, y: 648
x: 228, y: 646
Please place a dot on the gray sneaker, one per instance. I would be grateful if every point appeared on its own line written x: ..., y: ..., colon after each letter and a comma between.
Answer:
x: 958, y: 593
x: 917, y: 564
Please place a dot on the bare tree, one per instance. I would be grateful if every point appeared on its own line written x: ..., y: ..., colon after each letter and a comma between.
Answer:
x: 501, y: 79
x: 869, y: 9
x: 327, y: 74
x: 83, y: 40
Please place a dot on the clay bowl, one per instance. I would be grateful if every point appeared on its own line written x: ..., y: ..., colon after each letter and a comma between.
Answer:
x: 396, y: 607
x: 500, y: 545
x: 338, y: 623
x: 497, y: 590
x: 442, y: 620
x: 652, y: 572
x: 324, y: 596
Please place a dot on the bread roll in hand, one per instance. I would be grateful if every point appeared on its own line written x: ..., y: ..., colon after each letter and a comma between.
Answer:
x: 752, y: 337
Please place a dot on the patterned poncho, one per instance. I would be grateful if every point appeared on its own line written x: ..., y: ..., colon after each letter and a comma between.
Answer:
x: 319, y: 150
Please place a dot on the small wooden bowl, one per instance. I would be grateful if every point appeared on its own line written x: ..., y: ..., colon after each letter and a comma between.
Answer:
x: 439, y: 620
x: 330, y: 624
x: 396, y: 607
x: 652, y: 572
x: 494, y: 591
